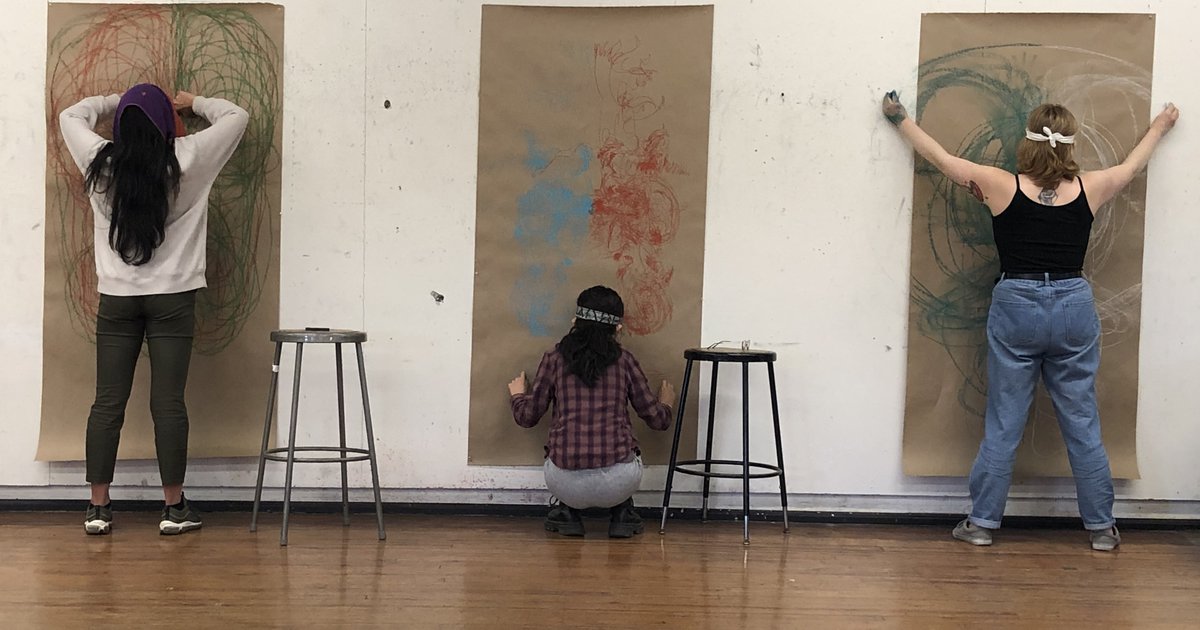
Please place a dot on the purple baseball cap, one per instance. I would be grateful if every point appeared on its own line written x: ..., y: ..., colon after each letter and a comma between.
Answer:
x: 153, y: 102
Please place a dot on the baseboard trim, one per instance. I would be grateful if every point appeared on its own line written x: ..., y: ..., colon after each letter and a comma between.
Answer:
x: 528, y: 510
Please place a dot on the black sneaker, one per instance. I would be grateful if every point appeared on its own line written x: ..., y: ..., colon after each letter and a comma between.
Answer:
x: 625, y: 521
x: 565, y: 520
x: 179, y: 519
x: 98, y: 519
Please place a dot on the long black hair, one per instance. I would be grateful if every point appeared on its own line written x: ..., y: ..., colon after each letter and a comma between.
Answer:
x: 591, y: 346
x: 139, y: 174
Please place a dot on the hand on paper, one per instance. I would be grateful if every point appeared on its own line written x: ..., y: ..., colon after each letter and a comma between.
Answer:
x: 517, y: 385
x: 1166, y: 119
x: 892, y: 109
x: 666, y: 394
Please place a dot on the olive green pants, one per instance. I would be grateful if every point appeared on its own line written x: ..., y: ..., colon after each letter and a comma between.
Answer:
x: 166, y: 323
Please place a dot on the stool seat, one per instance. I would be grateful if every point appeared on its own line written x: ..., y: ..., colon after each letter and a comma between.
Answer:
x: 318, y: 335
x: 729, y: 355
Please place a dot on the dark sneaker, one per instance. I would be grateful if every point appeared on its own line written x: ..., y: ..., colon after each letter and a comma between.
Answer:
x: 969, y: 532
x: 565, y: 520
x: 625, y: 521
x: 1105, y: 539
x: 179, y: 519
x: 98, y: 519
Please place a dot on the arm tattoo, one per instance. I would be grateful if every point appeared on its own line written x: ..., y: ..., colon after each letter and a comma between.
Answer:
x: 975, y: 190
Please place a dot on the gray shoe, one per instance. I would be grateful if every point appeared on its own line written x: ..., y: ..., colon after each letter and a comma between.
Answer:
x: 968, y: 532
x: 98, y: 520
x: 1105, y: 539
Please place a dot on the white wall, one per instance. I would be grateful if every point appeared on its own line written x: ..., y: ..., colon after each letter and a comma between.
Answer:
x: 809, y: 196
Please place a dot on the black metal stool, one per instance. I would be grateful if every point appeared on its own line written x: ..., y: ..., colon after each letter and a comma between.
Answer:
x: 345, y: 454
x: 717, y: 356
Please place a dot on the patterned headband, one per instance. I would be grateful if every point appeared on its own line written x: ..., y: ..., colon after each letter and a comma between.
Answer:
x: 592, y: 315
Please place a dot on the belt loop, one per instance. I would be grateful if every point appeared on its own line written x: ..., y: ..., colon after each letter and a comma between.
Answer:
x: 1046, y: 277
x: 1003, y: 274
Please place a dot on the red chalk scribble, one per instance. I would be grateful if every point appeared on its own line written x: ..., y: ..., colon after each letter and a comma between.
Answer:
x: 96, y: 52
x: 635, y: 210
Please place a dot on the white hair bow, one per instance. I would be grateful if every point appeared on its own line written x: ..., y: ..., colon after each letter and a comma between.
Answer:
x: 1053, y: 137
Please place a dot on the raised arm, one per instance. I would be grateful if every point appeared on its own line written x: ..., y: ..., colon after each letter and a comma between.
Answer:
x: 227, y: 124
x: 1102, y: 186
x: 990, y: 185
x: 77, y: 124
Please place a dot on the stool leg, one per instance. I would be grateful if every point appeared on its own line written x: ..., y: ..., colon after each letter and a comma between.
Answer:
x: 712, y: 412
x: 291, y: 453
x: 683, y: 393
x: 362, y: 380
x: 746, y: 453
x: 266, y: 441
x: 778, y: 447
x: 341, y: 394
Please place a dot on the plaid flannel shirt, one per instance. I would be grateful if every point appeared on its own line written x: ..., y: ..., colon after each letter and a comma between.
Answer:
x: 590, y: 426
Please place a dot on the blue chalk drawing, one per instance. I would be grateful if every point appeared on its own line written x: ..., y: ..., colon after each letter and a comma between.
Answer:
x: 537, y: 157
x: 552, y: 213
x: 553, y: 216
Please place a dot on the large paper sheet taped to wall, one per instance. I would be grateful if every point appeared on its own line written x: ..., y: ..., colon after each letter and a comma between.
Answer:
x: 980, y: 76
x: 593, y: 154
x: 232, y: 51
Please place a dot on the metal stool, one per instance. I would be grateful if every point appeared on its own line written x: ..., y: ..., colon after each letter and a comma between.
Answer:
x: 717, y: 356
x: 345, y: 454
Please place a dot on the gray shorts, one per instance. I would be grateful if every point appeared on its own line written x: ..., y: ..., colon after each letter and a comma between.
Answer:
x: 594, y: 487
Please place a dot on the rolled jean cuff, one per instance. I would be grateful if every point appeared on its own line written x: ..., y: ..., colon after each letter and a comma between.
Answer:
x: 983, y: 522
x: 1097, y: 528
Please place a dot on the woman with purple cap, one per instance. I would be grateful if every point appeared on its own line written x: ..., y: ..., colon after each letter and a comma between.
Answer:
x: 149, y: 191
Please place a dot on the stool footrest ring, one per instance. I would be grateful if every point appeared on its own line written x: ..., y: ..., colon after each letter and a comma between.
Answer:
x: 362, y: 454
x: 773, y: 471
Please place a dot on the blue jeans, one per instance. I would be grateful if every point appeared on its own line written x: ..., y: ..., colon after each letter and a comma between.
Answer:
x: 1046, y: 327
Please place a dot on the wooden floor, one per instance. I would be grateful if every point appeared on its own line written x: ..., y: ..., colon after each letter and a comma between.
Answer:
x: 494, y: 572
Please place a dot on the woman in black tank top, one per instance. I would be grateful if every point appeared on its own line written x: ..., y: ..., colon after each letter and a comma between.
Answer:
x: 1042, y: 320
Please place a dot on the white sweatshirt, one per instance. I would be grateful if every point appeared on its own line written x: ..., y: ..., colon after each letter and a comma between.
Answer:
x: 178, y: 264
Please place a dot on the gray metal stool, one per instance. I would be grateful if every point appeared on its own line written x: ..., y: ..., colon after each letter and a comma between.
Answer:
x: 717, y: 356
x: 345, y: 454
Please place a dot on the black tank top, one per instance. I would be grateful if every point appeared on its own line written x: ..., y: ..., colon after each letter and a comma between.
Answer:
x: 1035, y: 238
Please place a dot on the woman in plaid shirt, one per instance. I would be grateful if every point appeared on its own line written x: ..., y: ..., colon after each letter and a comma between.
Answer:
x: 592, y: 457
